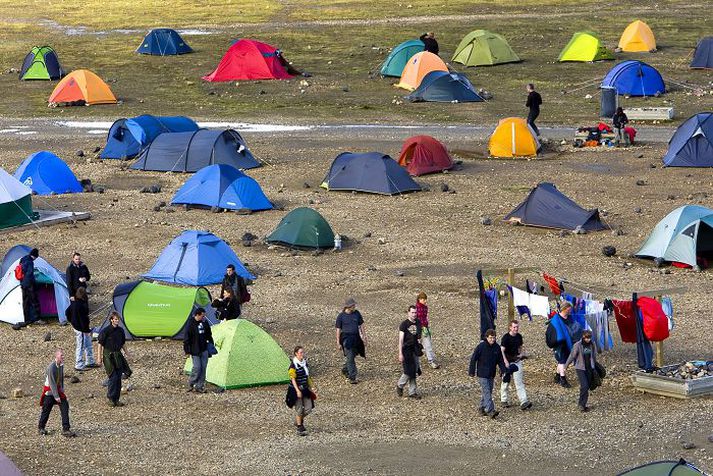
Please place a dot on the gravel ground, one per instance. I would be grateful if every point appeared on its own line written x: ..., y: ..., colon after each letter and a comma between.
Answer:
x: 432, y: 241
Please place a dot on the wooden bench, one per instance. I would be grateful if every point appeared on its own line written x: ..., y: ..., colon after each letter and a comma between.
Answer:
x: 649, y: 113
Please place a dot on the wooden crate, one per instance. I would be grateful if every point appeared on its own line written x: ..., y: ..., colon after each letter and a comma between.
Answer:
x: 671, y: 386
x: 649, y: 113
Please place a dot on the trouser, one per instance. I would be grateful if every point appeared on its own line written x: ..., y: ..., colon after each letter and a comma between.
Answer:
x: 84, y: 354
x: 428, y: 346
x: 621, y: 136
x: 486, y: 394
x: 404, y: 379
x: 200, y: 364
x: 47, y: 405
x: 531, y: 116
x: 349, y: 368
x: 30, y: 304
x: 113, y: 391
x: 518, y: 377
x: 583, y: 387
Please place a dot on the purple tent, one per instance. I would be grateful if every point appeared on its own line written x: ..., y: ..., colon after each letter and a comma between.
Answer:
x: 7, y: 467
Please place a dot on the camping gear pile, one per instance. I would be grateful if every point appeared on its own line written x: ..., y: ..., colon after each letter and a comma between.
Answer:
x: 689, y: 370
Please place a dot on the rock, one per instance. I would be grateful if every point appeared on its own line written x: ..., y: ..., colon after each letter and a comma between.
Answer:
x: 74, y: 379
x: 99, y: 189
x: 277, y: 275
x: 155, y: 188
x: 219, y: 390
x: 652, y: 166
x: 710, y: 438
x: 579, y: 230
x: 156, y: 386
x: 306, y: 185
x: 317, y: 252
x: 444, y: 187
x: 131, y: 387
x: 367, y: 235
x: 345, y: 88
x: 17, y: 393
x: 47, y: 337
x: 79, y: 153
x: 640, y: 182
x: 157, y: 208
x: 248, y: 236
x: 618, y: 232
x: 169, y: 210
x: 247, y: 243
x: 486, y: 221
x: 97, y: 149
x: 382, y: 241
x: 563, y: 233
x: 451, y: 191
x: 665, y: 271
x: 609, y: 251
x: 216, y: 210
x: 161, y: 203
x: 399, y: 273
x: 688, y: 445
x: 637, y: 210
x: 304, y: 83
x: 671, y: 197
x: 86, y: 185
x: 90, y: 395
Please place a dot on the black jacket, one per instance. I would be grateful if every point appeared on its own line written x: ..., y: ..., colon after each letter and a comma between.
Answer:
x: 486, y: 358
x: 620, y: 120
x: 534, y: 100
x: 75, y: 272
x: 193, y: 342
x: 78, y: 315
x: 431, y: 44
x: 28, y: 269
x: 237, y: 284
x: 227, y: 308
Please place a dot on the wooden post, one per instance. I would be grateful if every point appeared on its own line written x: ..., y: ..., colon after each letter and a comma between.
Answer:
x: 658, y: 347
x: 511, y: 304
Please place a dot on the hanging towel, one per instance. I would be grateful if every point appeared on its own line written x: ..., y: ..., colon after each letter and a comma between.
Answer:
x: 538, y: 305
x: 667, y: 306
x: 487, y: 313
x: 555, y: 286
x: 624, y: 314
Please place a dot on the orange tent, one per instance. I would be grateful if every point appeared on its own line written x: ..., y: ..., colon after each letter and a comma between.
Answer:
x: 637, y: 37
x: 419, y: 66
x: 82, y: 85
x: 424, y: 155
x: 513, y: 138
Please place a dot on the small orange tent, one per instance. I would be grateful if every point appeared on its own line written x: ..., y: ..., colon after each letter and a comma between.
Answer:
x: 82, y: 85
x: 637, y: 37
x: 419, y: 66
x: 513, y: 138
x: 424, y: 155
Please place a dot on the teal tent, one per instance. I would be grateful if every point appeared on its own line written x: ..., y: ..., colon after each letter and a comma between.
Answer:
x: 399, y: 56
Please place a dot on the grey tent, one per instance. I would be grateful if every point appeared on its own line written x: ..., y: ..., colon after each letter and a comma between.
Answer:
x: 703, y: 56
x: 547, y: 207
x: 372, y: 172
x: 191, y: 151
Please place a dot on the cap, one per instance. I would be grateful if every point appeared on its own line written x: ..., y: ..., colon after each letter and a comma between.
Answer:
x: 349, y: 303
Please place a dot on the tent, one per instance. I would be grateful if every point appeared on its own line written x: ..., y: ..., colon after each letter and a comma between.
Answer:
x: 247, y: 357
x: 634, y: 78
x: 692, y: 143
x: 442, y: 86
x: 703, y: 56
x: 12, y: 255
x: 664, y: 468
x: 150, y: 310
x: 419, y: 66
x: 637, y: 37
x: 585, y: 46
x: 302, y: 228
x: 547, y: 207
x: 163, y: 42
x: 222, y: 186
x: 191, y: 151
x: 249, y: 60
x: 484, y: 48
x: 372, y: 172
x: 195, y: 258
x: 127, y: 137
x: 513, y: 137
x: 47, y: 174
x: 82, y: 87
x: 41, y: 63
x: 424, y: 155
x: 15, y: 202
x: 52, y: 293
x: 7, y: 467
x: 683, y: 235
x: 399, y: 56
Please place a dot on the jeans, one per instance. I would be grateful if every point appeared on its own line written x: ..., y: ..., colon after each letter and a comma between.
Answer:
x: 84, y: 354
x: 30, y: 305
x: 519, y: 386
x: 350, y: 368
x: 531, y: 116
x: 583, y: 387
x: 200, y: 364
x: 621, y: 136
x: 113, y: 391
x: 486, y: 394
x: 404, y: 379
x: 47, y: 408
x: 428, y: 346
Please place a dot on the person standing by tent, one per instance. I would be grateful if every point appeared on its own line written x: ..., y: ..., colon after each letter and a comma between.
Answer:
x: 429, y: 40
x: 584, y: 356
x: 620, y: 121
x: 422, y: 315
x: 410, y: 350
x: 53, y: 394
x: 78, y: 315
x: 562, y: 331
x: 111, y: 344
x: 486, y: 357
x: 28, y: 286
x: 77, y: 275
x: 227, y: 307
x: 301, y: 393
x: 512, y: 346
x: 351, y: 338
x: 533, y: 103
x: 238, y: 286
x: 195, y: 344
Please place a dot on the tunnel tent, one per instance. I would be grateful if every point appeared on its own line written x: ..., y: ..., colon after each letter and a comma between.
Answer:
x: 163, y: 42
x: 47, y: 174
x: 399, y: 56
x: 41, y: 63
x: 127, y: 137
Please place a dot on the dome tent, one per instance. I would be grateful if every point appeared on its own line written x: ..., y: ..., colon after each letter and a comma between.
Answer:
x: 12, y: 255
x: 127, y: 137
x: 249, y: 60
x: 15, y: 202
x: 163, y: 42
x: 692, y: 143
x: 82, y: 87
x: 424, y: 155
x: 441, y: 86
x: 634, y: 78
x: 303, y: 228
x: 417, y: 67
x: 372, y: 172
x: 399, y: 56
x: 47, y: 174
x: 703, y: 56
x: 585, y: 46
x: 513, y: 137
x: 484, y: 48
x: 41, y: 63
x: 664, y: 468
x: 637, y: 37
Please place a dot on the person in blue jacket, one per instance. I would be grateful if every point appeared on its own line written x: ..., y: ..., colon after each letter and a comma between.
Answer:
x: 562, y: 331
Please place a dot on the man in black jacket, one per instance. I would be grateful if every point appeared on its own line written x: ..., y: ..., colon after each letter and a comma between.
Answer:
x: 28, y: 286
x: 487, y: 357
x: 534, y: 101
x: 235, y: 282
x: 195, y: 344
x: 78, y: 315
x: 111, y: 344
x: 77, y: 275
x: 429, y: 40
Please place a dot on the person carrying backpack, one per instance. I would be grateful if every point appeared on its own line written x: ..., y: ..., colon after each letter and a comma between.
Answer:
x: 28, y: 285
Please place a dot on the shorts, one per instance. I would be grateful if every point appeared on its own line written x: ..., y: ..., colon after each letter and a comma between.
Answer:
x: 304, y: 406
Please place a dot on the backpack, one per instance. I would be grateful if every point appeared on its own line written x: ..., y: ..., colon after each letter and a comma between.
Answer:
x: 551, y: 337
x: 19, y: 273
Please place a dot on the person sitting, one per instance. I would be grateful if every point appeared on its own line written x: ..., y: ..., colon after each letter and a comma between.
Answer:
x: 620, y: 121
x: 227, y: 307
x: 288, y: 66
x: 429, y: 40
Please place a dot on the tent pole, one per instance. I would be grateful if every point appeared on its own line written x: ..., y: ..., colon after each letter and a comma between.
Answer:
x: 658, y: 347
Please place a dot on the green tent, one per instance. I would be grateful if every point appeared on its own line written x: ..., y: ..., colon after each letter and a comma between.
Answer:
x: 484, y: 48
x: 303, y: 228
x: 585, y: 46
x: 15, y: 202
x: 41, y: 63
x: 664, y: 468
x: 247, y: 357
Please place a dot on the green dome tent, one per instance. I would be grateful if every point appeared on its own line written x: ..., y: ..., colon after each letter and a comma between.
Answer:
x: 585, y: 46
x: 247, y: 357
x: 41, y: 63
x: 15, y: 202
x: 484, y: 48
x: 303, y: 228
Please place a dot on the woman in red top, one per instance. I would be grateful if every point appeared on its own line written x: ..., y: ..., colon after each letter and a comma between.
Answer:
x: 422, y: 316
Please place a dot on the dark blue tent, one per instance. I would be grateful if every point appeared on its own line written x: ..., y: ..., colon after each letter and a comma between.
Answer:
x: 547, y: 207
x: 372, y: 172
x: 12, y: 255
x: 222, y: 186
x: 703, y: 56
x: 634, y: 78
x: 127, y: 137
x: 47, y: 174
x: 191, y: 151
x: 162, y: 42
x: 442, y: 86
x: 692, y: 143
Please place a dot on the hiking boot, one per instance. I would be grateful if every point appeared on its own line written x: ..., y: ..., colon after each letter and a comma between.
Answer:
x: 200, y: 390
x: 557, y: 378
x: 93, y: 366
x: 42, y: 431
x: 301, y: 430
x: 353, y: 381
x: 80, y: 369
x: 434, y: 365
x: 399, y: 391
x: 493, y: 414
x: 505, y: 404
x: 526, y: 406
x: 415, y: 396
x: 482, y: 412
x: 583, y: 409
x: 190, y: 389
x: 564, y: 382
x: 119, y: 404
x: 345, y: 372
x: 68, y: 433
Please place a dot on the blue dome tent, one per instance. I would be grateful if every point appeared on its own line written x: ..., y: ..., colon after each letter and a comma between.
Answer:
x: 12, y: 255
x: 399, y: 56
x: 163, y: 42
x: 634, y: 78
x: 222, y: 186
x: 442, y: 86
x: 196, y: 258
x: 47, y: 174
x: 372, y: 172
x: 127, y: 137
x: 692, y: 143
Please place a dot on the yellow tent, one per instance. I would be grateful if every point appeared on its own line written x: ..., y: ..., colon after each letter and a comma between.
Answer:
x: 637, y: 37
x: 419, y: 66
x: 82, y: 85
x: 513, y: 138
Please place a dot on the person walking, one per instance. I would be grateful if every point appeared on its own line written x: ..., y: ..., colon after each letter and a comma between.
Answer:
x: 486, y: 358
x: 351, y: 338
x: 302, y: 392
x: 620, y: 121
x: 28, y: 286
x: 584, y: 356
x: 534, y: 101
x: 53, y: 394
x: 422, y: 315
x: 77, y: 275
x: 78, y: 315
x: 195, y: 344
x: 409, y: 349
x: 511, y: 345
x: 430, y: 43
x: 112, y: 342
x: 561, y: 332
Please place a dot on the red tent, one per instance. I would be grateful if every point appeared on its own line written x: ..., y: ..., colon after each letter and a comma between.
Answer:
x: 249, y: 60
x: 424, y: 155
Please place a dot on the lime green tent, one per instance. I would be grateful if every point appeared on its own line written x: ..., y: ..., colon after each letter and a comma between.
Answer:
x: 15, y: 202
x: 247, y: 357
x: 303, y: 228
x: 41, y: 63
x: 484, y: 48
x: 585, y: 46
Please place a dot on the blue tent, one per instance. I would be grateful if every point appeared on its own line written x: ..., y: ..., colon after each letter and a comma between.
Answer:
x: 222, y: 186
x: 127, y: 137
x: 191, y: 151
x: 442, y: 86
x: 196, y: 258
x: 47, y: 174
x: 162, y: 42
x: 12, y: 255
x: 634, y: 78
x: 703, y: 56
x: 372, y: 172
x: 692, y: 143
x: 399, y: 56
